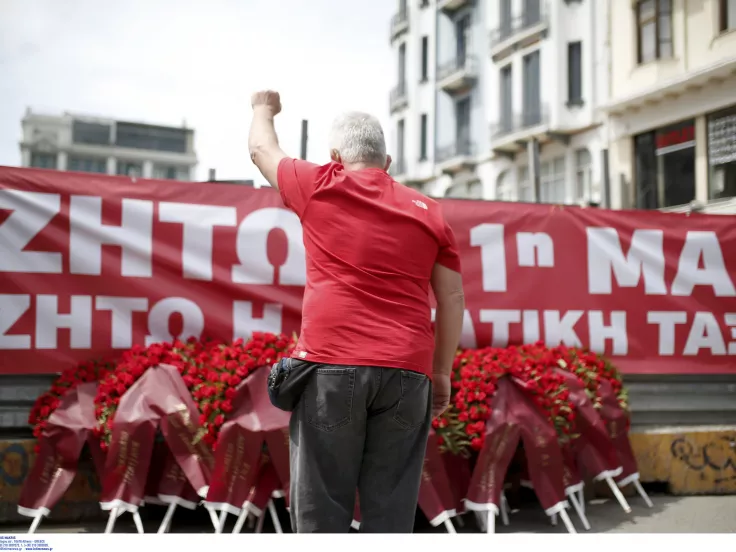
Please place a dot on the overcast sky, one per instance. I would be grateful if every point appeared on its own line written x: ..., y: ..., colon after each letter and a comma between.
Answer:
x: 166, y: 61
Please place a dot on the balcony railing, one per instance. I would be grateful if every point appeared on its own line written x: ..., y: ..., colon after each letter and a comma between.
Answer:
x: 398, y: 98
x: 462, y: 147
x: 458, y: 64
x: 399, y: 23
x: 518, y: 26
x: 518, y: 122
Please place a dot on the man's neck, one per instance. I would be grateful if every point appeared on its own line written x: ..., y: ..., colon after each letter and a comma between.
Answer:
x: 360, y: 166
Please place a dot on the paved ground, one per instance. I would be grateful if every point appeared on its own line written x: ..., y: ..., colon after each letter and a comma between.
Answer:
x: 698, y: 514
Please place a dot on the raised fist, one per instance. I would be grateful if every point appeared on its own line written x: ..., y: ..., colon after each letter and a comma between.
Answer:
x: 266, y: 98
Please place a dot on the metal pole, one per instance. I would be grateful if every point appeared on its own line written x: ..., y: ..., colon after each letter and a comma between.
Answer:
x: 533, y: 156
x: 303, y: 154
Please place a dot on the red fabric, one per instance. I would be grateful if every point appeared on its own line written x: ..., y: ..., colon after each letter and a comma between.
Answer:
x: 371, y: 244
x: 593, y: 451
x: 515, y: 417
x: 69, y: 426
x: 253, y: 277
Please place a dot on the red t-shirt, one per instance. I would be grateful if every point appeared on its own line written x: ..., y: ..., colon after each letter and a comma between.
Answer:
x: 371, y: 244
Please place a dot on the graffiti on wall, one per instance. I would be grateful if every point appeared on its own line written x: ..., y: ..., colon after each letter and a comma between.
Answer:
x: 717, y: 455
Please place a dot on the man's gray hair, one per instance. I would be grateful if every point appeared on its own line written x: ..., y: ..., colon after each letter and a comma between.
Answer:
x: 359, y: 139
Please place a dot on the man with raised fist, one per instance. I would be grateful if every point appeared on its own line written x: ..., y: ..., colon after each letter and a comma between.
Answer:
x: 378, y: 374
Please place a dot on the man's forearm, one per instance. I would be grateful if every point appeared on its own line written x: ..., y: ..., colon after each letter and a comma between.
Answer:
x: 263, y: 144
x: 448, y: 329
x: 262, y: 132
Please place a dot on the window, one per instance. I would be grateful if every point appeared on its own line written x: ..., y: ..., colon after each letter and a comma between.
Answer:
x: 552, y: 181
x: 170, y: 172
x: 507, y: 100
x: 400, y: 144
x: 423, y: 137
x: 462, y: 38
x: 525, y: 186
x: 90, y: 165
x: 504, y: 187
x: 654, y: 24
x: 462, y: 126
x: 583, y: 174
x: 665, y: 166
x: 722, y: 154
x: 425, y: 58
x: 130, y: 135
x: 532, y: 94
x: 402, y: 63
x: 506, y: 19
x: 532, y: 12
x: 125, y: 168
x: 728, y: 15
x: 90, y: 133
x: 574, y: 73
x: 43, y: 160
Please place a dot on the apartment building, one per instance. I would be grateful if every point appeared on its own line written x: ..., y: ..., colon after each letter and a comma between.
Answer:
x: 72, y: 142
x: 672, y: 109
x: 501, y: 99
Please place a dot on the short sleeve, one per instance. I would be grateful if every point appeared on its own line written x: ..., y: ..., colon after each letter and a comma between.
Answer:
x: 297, y: 181
x: 448, y: 255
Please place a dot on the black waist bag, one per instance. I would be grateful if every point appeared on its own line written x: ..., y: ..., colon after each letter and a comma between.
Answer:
x: 287, y: 381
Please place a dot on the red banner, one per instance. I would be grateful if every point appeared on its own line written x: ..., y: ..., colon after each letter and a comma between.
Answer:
x: 91, y: 264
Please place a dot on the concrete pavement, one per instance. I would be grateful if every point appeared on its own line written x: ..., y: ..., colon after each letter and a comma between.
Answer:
x: 671, y: 514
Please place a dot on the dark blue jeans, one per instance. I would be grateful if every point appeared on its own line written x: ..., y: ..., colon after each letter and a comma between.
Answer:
x: 359, y: 428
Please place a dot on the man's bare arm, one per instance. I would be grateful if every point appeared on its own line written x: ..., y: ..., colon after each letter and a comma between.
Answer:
x: 448, y: 290
x: 263, y: 144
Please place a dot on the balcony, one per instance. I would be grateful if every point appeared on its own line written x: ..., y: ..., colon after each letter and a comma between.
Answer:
x: 456, y: 157
x: 399, y: 98
x: 399, y: 24
x: 457, y: 74
x: 520, y: 32
x: 451, y: 6
x: 511, y: 133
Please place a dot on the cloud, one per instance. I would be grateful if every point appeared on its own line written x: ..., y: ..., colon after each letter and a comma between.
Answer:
x: 174, y: 60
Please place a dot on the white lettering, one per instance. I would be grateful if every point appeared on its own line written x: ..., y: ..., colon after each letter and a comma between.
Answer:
x: 198, y: 222
x: 49, y: 321
x: 244, y: 323
x: 490, y: 239
x: 31, y: 213
x: 714, y: 273
x: 160, y: 314
x: 705, y: 333
x: 530, y: 321
x: 561, y: 329
x: 616, y: 331
x: 12, y: 307
x: 87, y: 235
x: 535, y: 249
x: 605, y: 256
x: 501, y: 320
x: 730, y: 319
x: 121, y: 310
x: 252, y: 248
x: 666, y: 322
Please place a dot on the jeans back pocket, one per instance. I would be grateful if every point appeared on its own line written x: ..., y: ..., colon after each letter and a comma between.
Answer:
x: 328, y: 398
x: 411, y: 411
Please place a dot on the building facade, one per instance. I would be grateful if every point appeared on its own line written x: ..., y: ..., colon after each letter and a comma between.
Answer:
x: 97, y: 145
x: 672, y: 111
x: 501, y: 99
